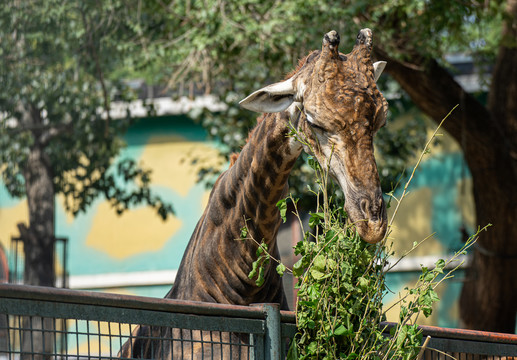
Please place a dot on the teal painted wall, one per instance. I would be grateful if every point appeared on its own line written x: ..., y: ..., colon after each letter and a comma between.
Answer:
x: 146, y: 139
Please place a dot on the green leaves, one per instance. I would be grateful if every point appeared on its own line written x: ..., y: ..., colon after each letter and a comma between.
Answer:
x: 339, y: 291
x: 258, y: 266
x: 340, y: 330
x: 280, y: 269
x: 60, y: 67
x: 263, y: 259
x: 282, y: 207
x: 341, y: 285
x: 299, y: 268
x: 319, y: 263
x: 316, y: 219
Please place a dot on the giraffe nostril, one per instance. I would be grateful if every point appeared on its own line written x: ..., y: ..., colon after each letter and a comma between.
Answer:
x: 382, y: 208
x: 372, y: 209
x: 364, y: 208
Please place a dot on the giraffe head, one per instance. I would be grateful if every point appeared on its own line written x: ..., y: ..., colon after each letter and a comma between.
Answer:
x: 336, y: 104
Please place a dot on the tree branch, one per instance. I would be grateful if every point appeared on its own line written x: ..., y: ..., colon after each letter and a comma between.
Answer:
x: 436, y: 92
x: 48, y: 132
x: 98, y: 68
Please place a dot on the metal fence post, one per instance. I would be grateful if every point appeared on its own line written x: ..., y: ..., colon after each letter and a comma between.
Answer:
x: 273, y: 335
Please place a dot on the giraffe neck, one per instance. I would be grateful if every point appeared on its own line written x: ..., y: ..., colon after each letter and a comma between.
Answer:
x: 258, y: 179
x: 250, y: 190
x: 217, y: 262
x: 265, y: 166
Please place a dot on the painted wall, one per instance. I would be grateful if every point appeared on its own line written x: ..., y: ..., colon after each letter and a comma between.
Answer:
x: 440, y: 205
x: 138, y: 242
x: 138, y: 253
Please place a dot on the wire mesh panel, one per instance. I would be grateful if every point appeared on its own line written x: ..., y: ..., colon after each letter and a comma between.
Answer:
x: 165, y: 343
x: 34, y: 337
x: 439, y: 355
x: 60, y: 324
x: 460, y: 349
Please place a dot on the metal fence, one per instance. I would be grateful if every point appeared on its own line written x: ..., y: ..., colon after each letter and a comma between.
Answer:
x: 463, y: 344
x: 49, y: 323
x: 17, y: 259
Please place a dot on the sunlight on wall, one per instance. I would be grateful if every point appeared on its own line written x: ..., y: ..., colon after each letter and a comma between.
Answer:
x: 140, y: 230
x: 9, y: 218
x: 136, y: 231
x: 412, y: 223
x: 176, y: 161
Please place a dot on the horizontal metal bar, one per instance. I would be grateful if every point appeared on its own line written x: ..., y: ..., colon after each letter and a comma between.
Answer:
x: 288, y: 317
x: 26, y: 307
x: 472, y: 347
x: 127, y: 301
x: 470, y: 335
x: 463, y: 334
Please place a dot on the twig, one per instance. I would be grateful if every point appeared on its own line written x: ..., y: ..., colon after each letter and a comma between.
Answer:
x: 261, y: 246
x: 424, y: 346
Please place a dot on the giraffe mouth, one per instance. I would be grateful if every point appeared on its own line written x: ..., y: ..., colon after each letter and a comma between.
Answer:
x: 366, y: 208
x: 369, y: 218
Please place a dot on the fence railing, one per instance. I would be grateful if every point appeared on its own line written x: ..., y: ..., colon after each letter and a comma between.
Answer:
x: 49, y: 323
x: 42, y: 323
x: 463, y: 344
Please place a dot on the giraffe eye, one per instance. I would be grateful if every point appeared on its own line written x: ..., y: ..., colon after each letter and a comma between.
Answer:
x: 313, y: 125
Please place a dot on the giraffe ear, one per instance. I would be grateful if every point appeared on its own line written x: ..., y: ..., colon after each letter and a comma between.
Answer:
x: 378, y: 67
x: 272, y: 98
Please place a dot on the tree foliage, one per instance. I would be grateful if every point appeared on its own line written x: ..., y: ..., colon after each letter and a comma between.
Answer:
x: 59, y: 64
x: 231, y: 48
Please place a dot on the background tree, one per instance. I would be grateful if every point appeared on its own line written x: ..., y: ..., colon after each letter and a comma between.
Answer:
x: 58, y: 66
x: 233, y: 46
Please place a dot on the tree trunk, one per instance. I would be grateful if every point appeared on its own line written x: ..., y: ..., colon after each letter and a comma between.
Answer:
x: 38, y: 238
x: 491, y: 283
x: 38, y: 245
x: 488, y: 136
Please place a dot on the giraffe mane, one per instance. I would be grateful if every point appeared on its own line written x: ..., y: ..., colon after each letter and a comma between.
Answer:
x: 301, y: 63
x: 234, y: 156
x: 233, y: 159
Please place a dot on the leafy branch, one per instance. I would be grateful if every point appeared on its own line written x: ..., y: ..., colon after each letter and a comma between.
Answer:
x: 263, y: 256
x: 341, y: 284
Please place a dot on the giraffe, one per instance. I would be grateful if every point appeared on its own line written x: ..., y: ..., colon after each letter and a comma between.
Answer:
x: 333, y: 100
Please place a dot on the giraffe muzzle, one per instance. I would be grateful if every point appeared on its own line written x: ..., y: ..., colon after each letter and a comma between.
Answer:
x: 371, y: 219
